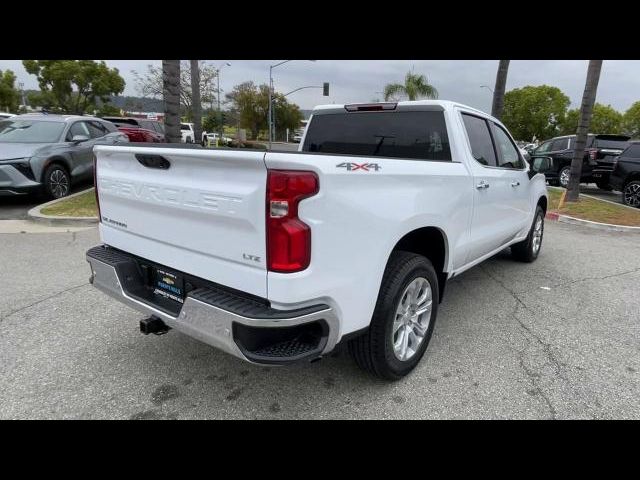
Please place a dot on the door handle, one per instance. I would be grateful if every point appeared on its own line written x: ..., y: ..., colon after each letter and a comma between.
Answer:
x: 482, y: 185
x: 515, y: 184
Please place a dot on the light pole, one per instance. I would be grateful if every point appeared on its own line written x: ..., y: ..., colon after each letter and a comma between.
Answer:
x: 220, y: 128
x: 484, y: 86
x: 270, y: 115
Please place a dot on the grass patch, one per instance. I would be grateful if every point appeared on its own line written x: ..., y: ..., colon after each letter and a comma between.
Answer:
x: 595, y: 210
x: 81, y: 206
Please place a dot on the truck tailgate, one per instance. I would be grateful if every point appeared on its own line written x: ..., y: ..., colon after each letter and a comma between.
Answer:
x: 204, y: 214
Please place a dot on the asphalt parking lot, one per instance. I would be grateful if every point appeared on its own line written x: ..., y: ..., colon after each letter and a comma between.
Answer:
x: 559, y: 338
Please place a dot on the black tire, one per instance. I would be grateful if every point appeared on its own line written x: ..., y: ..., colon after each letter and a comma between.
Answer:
x: 189, y: 140
x: 525, y: 251
x: 604, y: 186
x: 373, y: 351
x: 631, y: 194
x: 56, y: 181
x: 560, y: 175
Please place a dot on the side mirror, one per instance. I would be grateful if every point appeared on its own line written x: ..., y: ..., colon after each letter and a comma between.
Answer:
x: 79, y: 138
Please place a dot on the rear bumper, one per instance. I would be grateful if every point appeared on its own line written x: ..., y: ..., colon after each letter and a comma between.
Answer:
x: 247, y: 329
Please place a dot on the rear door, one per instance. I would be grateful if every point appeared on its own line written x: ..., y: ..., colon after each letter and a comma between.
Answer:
x: 204, y: 214
x: 497, y: 216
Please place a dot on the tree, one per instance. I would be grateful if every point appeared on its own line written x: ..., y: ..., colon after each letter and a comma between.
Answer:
x: 414, y: 87
x: 498, y: 92
x: 197, y: 106
x: 171, y: 95
x: 74, y: 86
x: 9, y: 96
x: 150, y: 84
x: 605, y: 119
x: 586, y: 109
x: 252, y: 105
x: 631, y: 121
x: 534, y: 111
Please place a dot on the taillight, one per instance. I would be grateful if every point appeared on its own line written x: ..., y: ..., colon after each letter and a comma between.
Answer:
x: 95, y: 184
x: 288, y: 237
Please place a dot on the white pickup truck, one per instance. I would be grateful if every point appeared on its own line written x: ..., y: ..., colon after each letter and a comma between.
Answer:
x: 275, y: 257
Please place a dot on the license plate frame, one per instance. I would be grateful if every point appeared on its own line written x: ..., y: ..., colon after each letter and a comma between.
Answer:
x: 169, y: 284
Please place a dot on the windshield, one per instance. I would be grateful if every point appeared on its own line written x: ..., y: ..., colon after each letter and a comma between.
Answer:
x: 30, y: 131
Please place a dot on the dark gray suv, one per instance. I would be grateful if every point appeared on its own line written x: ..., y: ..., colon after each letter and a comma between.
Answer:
x: 47, y: 153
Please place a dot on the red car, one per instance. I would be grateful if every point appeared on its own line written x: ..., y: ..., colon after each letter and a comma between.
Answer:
x: 139, y: 129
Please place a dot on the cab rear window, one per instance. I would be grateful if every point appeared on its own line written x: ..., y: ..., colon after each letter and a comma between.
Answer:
x: 416, y: 135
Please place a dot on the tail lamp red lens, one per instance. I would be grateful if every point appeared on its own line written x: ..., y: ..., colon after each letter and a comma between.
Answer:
x: 288, y: 237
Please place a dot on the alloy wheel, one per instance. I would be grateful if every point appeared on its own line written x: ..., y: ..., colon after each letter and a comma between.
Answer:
x: 412, y: 318
x: 59, y: 183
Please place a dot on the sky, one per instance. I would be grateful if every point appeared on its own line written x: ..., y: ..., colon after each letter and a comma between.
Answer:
x: 354, y: 81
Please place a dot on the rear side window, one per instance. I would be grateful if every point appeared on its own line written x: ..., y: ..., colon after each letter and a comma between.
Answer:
x: 559, y: 144
x: 413, y: 135
x: 633, y: 151
x: 480, y: 140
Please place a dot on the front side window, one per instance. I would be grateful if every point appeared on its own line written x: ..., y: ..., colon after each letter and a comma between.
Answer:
x: 416, y: 135
x: 544, y: 148
x: 560, y: 144
x: 78, y: 128
x: 480, y: 140
x: 509, y: 156
x: 97, y: 129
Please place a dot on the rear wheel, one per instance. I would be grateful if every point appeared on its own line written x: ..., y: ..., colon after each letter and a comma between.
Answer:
x: 403, y: 319
x: 631, y: 194
x: 563, y: 176
x: 528, y: 249
x: 57, y: 183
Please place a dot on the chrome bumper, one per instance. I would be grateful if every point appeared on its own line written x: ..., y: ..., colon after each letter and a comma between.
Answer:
x: 206, y: 322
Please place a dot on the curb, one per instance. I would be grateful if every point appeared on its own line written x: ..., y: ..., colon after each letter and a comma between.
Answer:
x: 55, y: 221
x: 608, y: 227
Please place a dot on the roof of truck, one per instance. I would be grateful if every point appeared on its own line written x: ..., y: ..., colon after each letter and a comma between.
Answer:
x: 443, y: 104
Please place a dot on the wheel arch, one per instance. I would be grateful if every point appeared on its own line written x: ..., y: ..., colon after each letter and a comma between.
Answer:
x: 56, y: 160
x: 431, y: 242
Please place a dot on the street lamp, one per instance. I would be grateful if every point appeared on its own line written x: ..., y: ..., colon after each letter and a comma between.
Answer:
x: 220, y: 128
x: 270, y: 116
x: 484, y: 86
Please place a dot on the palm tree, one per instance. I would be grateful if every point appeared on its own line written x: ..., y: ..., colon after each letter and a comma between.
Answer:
x: 414, y: 87
x: 498, y: 91
x: 586, y: 109
x: 171, y: 96
x: 196, y: 106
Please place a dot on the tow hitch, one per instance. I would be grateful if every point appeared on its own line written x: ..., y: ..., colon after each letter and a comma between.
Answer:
x: 153, y: 325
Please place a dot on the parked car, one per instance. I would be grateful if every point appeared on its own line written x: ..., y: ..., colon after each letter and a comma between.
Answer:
x: 275, y: 258
x: 212, y: 137
x: 49, y: 153
x: 139, y: 129
x: 4, y: 115
x: 186, y: 129
x: 625, y: 176
x: 600, y: 151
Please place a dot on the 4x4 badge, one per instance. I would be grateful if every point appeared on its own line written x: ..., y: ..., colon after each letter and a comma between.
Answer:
x: 352, y: 167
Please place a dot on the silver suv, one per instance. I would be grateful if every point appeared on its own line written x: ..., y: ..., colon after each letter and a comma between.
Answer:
x: 47, y: 153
